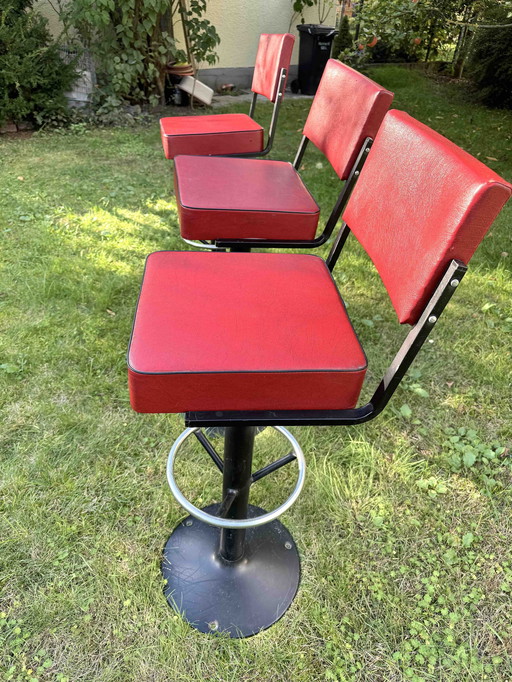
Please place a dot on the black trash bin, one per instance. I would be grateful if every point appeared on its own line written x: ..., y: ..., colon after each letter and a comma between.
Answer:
x: 314, y: 51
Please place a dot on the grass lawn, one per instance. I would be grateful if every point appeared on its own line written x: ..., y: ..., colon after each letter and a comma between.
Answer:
x: 405, y: 524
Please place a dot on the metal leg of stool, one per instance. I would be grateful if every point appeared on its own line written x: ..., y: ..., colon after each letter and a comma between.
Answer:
x: 235, y: 581
x: 236, y: 484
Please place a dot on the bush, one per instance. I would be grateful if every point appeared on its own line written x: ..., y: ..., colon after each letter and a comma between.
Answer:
x: 384, y: 53
x: 343, y: 39
x: 491, y: 61
x: 133, y: 42
x: 33, y: 77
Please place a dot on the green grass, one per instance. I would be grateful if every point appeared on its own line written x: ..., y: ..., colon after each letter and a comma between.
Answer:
x: 404, y: 525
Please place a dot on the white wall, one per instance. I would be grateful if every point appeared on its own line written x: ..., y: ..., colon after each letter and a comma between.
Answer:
x: 47, y: 11
x: 238, y: 23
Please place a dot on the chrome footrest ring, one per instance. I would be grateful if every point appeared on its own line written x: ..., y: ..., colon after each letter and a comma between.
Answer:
x: 201, y: 245
x: 235, y: 523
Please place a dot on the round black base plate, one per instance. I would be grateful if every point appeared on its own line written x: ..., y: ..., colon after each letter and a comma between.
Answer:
x: 238, y: 599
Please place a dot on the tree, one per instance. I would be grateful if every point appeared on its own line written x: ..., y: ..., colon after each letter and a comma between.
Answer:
x: 407, y: 29
x: 343, y: 40
x: 491, y: 60
x: 133, y: 41
x: 33, y: 77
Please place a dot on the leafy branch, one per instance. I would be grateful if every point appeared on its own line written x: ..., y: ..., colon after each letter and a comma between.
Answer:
x: 324, y: 7
x: 133, y: 42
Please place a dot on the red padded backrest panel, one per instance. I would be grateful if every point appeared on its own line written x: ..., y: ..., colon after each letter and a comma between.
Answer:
x: 420, y: 202
x: 347, y: 108
x: 274, y: 53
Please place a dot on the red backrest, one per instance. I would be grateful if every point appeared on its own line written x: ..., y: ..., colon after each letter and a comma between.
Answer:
x: 420, y: 202
x: 347, y: 108
x: 274, y: 53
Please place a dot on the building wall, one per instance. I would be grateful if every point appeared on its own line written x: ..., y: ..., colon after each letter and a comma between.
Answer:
x: 47, y: 11
x: 238, y: 23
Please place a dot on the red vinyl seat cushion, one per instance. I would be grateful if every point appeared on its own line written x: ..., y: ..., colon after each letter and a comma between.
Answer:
x: 222, y: 198
x: 236, y: 331
x: 213, y: 134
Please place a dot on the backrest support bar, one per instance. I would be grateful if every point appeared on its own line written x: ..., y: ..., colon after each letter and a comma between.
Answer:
x: 253, y: 104
x: 402, y: 361
x: 300, y: 152
x: 277, y: 106
x: 418, y: 334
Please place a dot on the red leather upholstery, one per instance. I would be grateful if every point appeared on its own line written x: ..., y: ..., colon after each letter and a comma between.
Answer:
x: 274, y: 53
x: 257, y: 331
x: 221, y: 198
x: 259, y: 199
x: 231, y: 133
x: 347, y: 108
x: 420, y: 202
x: 215, y: 134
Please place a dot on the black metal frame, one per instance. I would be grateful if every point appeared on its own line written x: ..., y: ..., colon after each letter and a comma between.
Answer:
x: 273, y: 121
x: 234, y: 549
x: 339, y: 206
x: 397, y: 369
x: 237, y: 479
x: 258, y: 475
x: 236, y: 484
x: 235, y: 581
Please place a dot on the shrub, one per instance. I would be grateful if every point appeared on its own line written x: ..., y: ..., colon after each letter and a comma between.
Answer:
x: 343, y: 39
x: 384, y: 53
x: 133, y: 41
x: 491, y: 61
x: 33, y: 77
x: 409, y: 30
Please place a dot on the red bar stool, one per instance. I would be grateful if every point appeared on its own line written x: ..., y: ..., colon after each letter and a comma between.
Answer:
x: 241, y: 203
x: 244, y: 340
x: 236, y: 133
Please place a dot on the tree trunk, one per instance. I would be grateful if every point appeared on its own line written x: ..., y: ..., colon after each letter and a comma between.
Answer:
x: 459, y: 58
x: 431, y: 34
